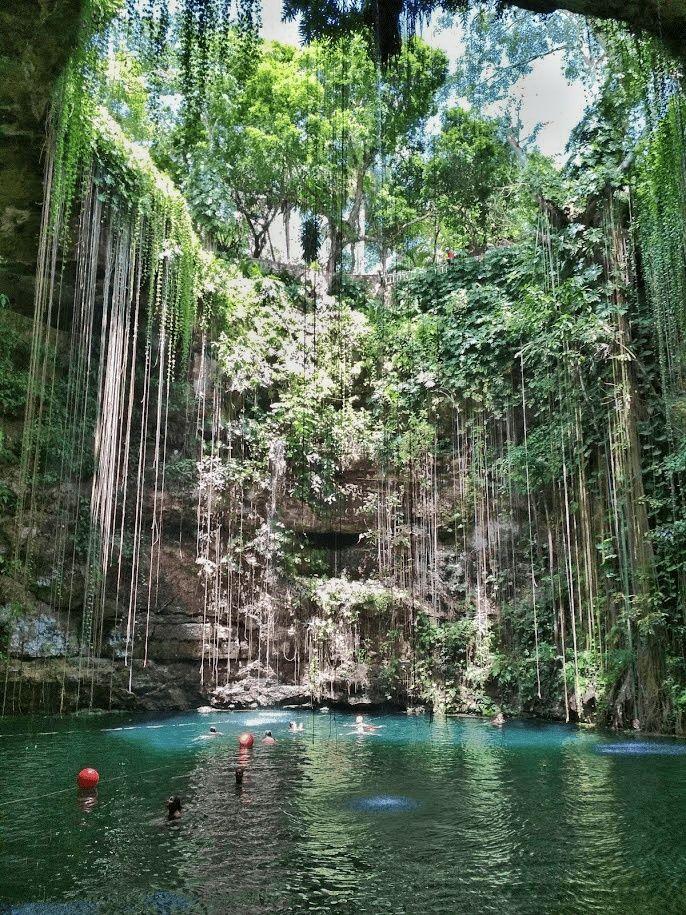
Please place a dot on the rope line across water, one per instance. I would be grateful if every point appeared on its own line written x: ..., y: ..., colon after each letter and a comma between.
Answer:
x: 115, y: 778
x: 129, y: 727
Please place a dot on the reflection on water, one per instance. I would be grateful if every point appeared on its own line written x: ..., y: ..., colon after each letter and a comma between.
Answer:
x: 448, y: 816
x: 86, y: 798
x: 641, y: 748
x: 386, y: 803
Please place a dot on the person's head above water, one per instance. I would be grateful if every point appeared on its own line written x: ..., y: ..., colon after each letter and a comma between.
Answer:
x: 292, y: 726
x: 267, y: 733
x: 174, y: 807
x: 213, y: 730
x: 359, y: 719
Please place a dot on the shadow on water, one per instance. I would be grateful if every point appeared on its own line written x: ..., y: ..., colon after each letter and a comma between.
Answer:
x: 449, y: 816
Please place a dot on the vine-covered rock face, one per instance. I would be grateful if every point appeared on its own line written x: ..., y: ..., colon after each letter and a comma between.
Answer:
x: 37, y: 39
x: 471, y: 495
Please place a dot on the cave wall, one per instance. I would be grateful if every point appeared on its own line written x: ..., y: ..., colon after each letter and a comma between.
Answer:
x: 37, y: 37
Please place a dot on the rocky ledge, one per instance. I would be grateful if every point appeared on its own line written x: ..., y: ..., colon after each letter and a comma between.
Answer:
x: 257, y: 686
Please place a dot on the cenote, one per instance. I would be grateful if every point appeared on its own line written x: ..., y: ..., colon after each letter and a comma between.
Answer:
x: 452, y: 815
x: 343, y: 368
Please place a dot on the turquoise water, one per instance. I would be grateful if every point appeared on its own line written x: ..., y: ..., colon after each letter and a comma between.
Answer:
x: 446, y: 816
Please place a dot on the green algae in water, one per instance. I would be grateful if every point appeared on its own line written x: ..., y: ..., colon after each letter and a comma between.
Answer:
x: 525, y: 818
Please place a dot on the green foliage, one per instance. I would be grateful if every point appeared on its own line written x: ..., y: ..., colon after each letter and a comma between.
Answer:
x: 675, y: 686
x: 301, y: 129
x: 341, y: 600
x: 283, y: 389
x: 128, y: 179
x: 14, y: 357
x: 503, y: 45
x: 181, y: 475
x: 468, y: 176
x: 443, y: 653
x: 125, y: 95
x: 8, y: 499
x: 460, y: 188
x: 74, y: 109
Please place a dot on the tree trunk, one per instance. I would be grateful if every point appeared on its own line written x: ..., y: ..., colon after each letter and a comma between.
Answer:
x: 335, y: 254
x: 287, y: 231
x: 259, y: 240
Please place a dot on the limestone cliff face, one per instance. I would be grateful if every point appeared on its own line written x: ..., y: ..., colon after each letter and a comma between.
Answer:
x: 323, y: 626
x: 329, y: 633
x: 332, y: 603
x: 37, y: 38
x: 190, y: 656
x: 182, y: 651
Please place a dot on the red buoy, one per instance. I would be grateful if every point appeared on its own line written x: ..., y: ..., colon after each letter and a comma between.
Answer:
x: 87, y: 778
x: 246, y: 741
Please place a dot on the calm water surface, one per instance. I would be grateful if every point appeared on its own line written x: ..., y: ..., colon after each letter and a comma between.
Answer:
x: 448, y: 817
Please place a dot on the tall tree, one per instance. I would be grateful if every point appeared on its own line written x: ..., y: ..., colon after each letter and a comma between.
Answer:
x: 252, y: 152
x: 452, y: 193
x: 306, y: 129
x: 466, y: 178
x: 370, y: 114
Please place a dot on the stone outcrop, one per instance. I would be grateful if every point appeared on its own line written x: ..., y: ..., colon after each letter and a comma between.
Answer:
x: 37, y: 634
x: 257, y: 686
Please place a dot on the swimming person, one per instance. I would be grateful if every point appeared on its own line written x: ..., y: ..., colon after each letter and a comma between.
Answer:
x: 174, y: 808
x: 268, y: 739
x: 213, y: 732
x: 292, y: 726
x: 362, y: 727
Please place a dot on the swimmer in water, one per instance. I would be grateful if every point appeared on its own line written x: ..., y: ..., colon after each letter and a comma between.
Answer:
x: 174, y: 808
x: 213, y: 730
x: 295, y: 728
x: 268, y: 739
x: 361, y: 726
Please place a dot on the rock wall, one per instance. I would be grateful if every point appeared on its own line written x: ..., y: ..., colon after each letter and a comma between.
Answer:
x: 183, y: 656
x: 37, y: 39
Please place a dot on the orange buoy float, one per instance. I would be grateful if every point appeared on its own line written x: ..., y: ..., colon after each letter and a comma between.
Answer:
x: 87, y: 779
x: 246, y: 741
